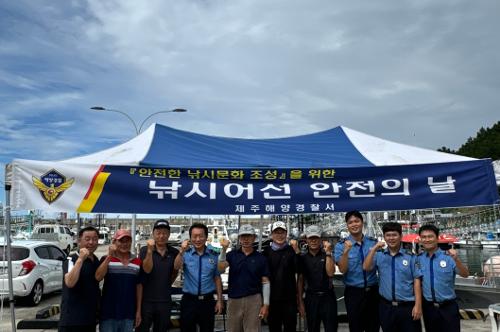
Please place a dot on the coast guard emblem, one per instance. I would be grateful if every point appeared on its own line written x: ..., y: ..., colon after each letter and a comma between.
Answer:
x: 52, y: 185
x: 405, y: 262
x: 442, y: 263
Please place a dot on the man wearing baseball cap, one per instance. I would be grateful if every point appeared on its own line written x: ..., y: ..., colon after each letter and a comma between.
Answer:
x: 248, y: 278
x: 317, y: 267
x: 282, y: 260
x: 120, y: 270
x: 157, y: 275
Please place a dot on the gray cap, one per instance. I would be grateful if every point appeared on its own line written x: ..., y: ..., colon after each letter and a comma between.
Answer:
x: 313, y: 230
x: 246, y: 230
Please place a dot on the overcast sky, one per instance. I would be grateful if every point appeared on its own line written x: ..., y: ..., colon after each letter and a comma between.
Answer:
x: 425, y: 73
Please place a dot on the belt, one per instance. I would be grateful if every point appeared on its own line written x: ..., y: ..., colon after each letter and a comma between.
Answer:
x: 366, y: 289
x: 439, y: 304
x: 397, y: 303
x: 209, y: 296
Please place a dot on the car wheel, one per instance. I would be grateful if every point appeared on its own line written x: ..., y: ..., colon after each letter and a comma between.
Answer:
x: 35, y: 296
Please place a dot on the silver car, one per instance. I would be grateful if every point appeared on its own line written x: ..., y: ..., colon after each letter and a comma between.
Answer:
x: 36, y: 269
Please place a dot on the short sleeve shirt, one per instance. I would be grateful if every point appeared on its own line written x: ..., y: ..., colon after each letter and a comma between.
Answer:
x: 200, y: 271
x: 313, y: 270
x: 397, y: 274
x: 355, y: 275
x: 79, y: 304
x: 438, y: 276
x: 119, y: 289
x: 245, y: 273
x: 157, y: 285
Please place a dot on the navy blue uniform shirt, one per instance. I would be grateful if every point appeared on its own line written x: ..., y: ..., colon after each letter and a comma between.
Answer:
x: 245, y: 273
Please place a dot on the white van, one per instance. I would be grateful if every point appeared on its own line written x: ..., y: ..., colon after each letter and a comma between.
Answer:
x: 61, y: 235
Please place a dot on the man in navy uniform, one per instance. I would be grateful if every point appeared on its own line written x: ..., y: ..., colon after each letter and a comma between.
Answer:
x: 317, y: 269
x: 361, y: 287
x: 201, y: 281
x: 439, y: 268
x: 400, y: 289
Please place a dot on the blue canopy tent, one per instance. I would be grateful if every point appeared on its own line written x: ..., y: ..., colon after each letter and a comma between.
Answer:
x: 165, y: 170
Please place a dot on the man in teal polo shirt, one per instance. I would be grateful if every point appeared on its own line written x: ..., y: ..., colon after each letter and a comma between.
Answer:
x: 201, y: 281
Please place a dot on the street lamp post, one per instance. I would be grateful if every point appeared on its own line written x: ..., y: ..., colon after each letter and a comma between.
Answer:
x: 137, y: 132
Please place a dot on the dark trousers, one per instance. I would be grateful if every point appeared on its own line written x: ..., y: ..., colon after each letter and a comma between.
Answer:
x: 78, y: 328
x: 197, y: 312
x: 282, y: 316
x: 321, y: 308
x: 398, y: 318
x: 443, y: 318
x: 362, y: 308
x: 156, y: 314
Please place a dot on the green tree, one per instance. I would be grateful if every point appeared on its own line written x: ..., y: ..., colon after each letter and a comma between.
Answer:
x: 486, y: 144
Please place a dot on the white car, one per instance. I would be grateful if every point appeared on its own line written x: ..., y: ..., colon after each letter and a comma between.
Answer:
x: 36, y: 269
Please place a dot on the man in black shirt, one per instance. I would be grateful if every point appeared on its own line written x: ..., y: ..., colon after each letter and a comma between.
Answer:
x: 80, y: 294
x: 157, y: 275
x: 317, y: 268
x: 282, y: 260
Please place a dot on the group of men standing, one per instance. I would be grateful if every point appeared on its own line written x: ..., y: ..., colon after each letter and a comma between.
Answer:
x: 136, y: 293
x: 272, y: 285
x: 406, y: 287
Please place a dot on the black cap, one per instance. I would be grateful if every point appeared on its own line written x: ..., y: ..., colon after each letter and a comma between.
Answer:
x: 161, y: 223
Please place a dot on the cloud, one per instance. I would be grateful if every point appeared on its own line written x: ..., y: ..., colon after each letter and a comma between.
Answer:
x: 423, y: 73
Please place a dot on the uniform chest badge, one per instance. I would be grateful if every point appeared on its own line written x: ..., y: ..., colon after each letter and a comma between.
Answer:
x: 211, y: 261
x: 405, y: 262
x: 442, y: 263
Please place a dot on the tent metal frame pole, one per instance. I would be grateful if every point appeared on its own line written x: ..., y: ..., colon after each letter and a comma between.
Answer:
x: 261, y: 228
x: 132, y: 232
x: 9, y: 257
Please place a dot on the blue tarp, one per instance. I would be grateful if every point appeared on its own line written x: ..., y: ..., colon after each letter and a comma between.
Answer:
x: 177, y: 148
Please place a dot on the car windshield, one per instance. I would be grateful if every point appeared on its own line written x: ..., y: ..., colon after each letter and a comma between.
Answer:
x: 17, y: 254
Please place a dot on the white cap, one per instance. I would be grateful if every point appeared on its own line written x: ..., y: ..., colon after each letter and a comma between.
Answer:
x: 278, y: 224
